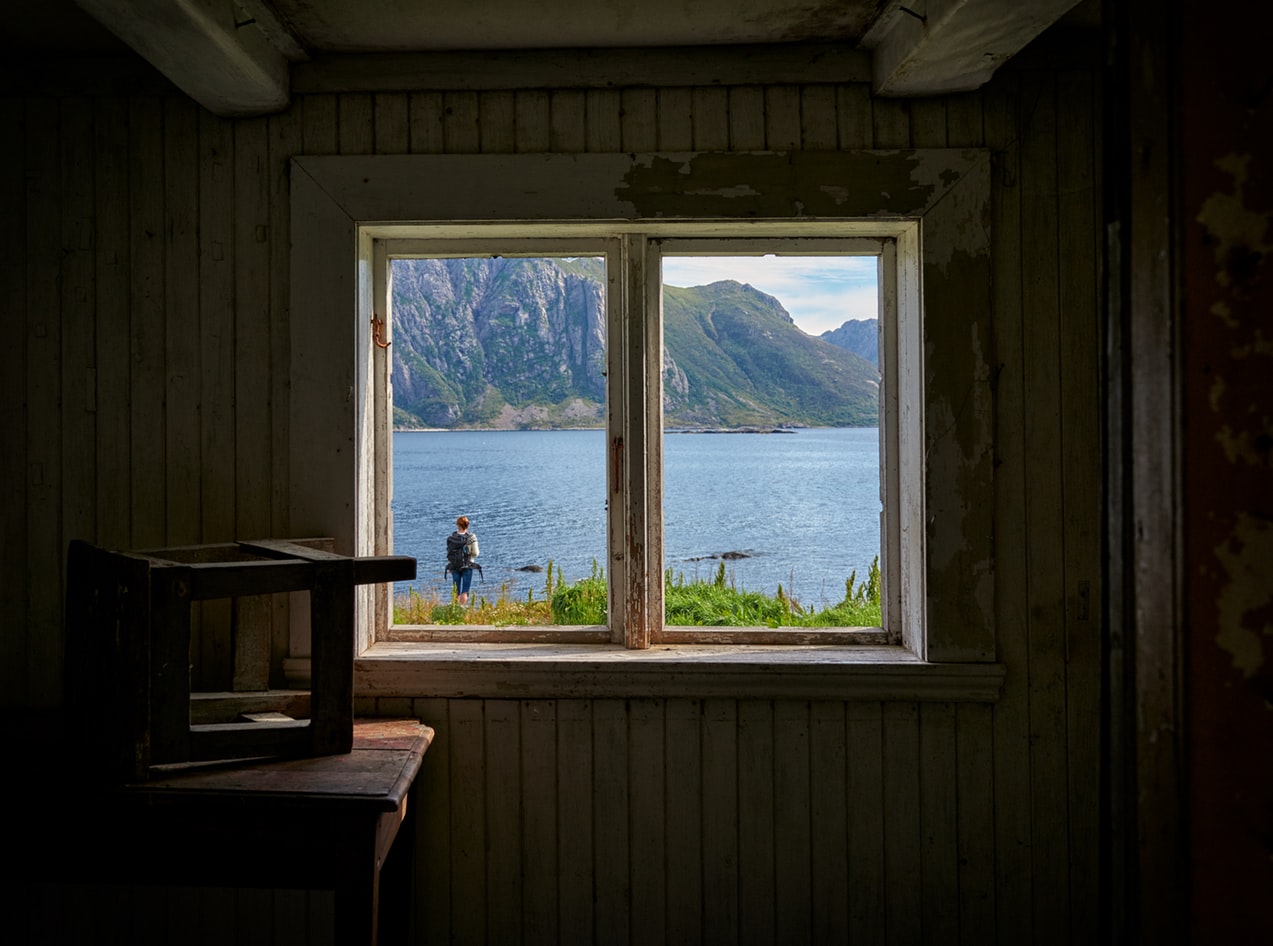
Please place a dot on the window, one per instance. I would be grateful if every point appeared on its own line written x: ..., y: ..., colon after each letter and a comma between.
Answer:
x: 924, y: 213
x: 634, y: 565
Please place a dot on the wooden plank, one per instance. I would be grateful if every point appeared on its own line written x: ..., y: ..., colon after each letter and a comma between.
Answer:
x: 974, y: 759
x: 460, y: 123
x: 43, y: 454
x: 1013, y: 877
x: 391, y: 123
x: 285, y: 139
x: 793, y: 828
x: 532, y: 118
x: 181, y: 306
x: 504, y: 809
x: 147, y: 484
x: 331, y: 644
x: 319, y: 124
x: 891, y: 123
x: 855, y: 120
x: 782, y: 118
x: 602, y: 114
x: 963, y: 120
x: 683, y: 821
x: 903, y: 899
x: 818, y: 129
x: 866, y: 806
x: 756, y: 841
x: 928, y: 122
x: 13, y: 391
x: 638, y: 120
x: 1078, y: 156
x: 938, y: 780
x: 355, y: 123
x: 497, y: 122
x: 431, y: 897
x: 711, y: 118
x: 253, y: 365
x: 426, y: 115
x: 540, y: 864
x: 112, y: 200
x: 78, y: 401
x: 610, y: 824
x: 721, y: 877
x: 1045, y: 498
x: 675, y: 119
x: 212, y: 654
x: 747, y: 118
x: 568, y: 131
x: 574, y: 819
x: 647, y: 800
x: 829, y: 813
x: 469, y: 904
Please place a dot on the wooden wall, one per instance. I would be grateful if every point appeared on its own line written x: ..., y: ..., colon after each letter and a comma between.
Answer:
x: 145, y: 403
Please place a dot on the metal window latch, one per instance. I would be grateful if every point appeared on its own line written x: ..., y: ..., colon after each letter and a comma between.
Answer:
x: 378, y: 333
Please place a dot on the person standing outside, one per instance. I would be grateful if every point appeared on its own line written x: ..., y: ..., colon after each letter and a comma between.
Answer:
x: 461, y: 550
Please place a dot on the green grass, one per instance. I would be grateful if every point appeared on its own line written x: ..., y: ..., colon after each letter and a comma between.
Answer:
x: 712, y: 603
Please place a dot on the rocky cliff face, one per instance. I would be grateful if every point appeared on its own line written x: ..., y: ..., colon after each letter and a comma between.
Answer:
x: 860, y: 336
x: 512, y: 343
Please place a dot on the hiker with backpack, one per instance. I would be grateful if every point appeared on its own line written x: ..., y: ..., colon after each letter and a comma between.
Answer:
x: 461, y: 551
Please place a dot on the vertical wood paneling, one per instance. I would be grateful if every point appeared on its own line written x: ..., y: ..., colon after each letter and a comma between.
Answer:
x: 891, y: 123
x: 646, y: 793
x: 460, y: 131
x: 903, y: 897
x: 43, y: 428
x: 497, y: 124
x: 568, y: 133
x: 756, y: 908
x: 112, y: 307
x: 15, y: 322
x: 866, y: 822
x: 78, y: 332
x: 828, y: 812
x: 147, y: 328
x: 391, y: 123
x: 1080, y: 243
x: 355, y: 123
x: 683, y: 821
x: 1045, y: 503
x: 1013, y: 885
x: 711, y: 119
x: 818, y: 129
x: 425, y: 112
x: 938, y: 780
x: 181, y: 306
x: 611, y: 844
x: 676, y: 119
x: 721, y: 867
x: 746, y: 118
x: 793, y: 829
x: 974, y: 756
x: 501, y: 771
x: 604, y: 130
x: 532, y: 118
x: 928, y: 123
x: 467, y: 761
x: 782, y: 118
x: 540, y: 866
x: 575, y: 805
x: 432, y: 904
x: 854, y: 116
x: 639, y: 119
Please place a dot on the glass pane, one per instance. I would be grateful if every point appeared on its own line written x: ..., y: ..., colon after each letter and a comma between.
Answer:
x: 499, y: 415
x: 771, y: 450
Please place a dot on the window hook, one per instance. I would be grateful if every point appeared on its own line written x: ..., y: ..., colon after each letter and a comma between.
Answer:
x: 378, y: 332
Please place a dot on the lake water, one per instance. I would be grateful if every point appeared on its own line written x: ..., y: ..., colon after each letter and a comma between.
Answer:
x: 803, y: 506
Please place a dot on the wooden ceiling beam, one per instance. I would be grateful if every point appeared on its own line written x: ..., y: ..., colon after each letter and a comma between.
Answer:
x: 932, y: 47
x: 209, y: 49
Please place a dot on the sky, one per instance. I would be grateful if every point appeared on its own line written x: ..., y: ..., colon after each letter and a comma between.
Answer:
x: 820, y: 292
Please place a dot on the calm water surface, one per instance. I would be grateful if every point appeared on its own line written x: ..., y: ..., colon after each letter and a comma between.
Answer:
x: 804, y: 507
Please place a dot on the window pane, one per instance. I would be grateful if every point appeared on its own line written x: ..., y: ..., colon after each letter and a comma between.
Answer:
x: 499, y: 411
x: 771, y: 448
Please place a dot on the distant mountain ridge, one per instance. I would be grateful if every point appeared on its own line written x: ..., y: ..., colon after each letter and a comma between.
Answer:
x: 860, y: 336
x: 520, y: 343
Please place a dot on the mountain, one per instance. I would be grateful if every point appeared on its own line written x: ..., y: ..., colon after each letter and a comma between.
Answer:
x: 860, y: 336
x: 509, y: 343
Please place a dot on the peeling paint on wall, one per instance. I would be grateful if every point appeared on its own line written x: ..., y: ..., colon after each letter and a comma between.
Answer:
x: 1244, y: 608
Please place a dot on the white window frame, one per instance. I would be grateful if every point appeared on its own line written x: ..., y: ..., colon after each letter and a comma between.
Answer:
x: 634, y: 314
x: 933, y: 203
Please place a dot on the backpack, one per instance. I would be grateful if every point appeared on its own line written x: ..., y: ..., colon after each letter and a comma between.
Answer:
x: 457, y: 553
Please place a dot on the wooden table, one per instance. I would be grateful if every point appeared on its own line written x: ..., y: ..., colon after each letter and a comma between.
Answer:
x: 322, y: 823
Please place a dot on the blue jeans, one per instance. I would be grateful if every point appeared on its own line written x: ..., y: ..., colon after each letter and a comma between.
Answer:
x: 462, y: 581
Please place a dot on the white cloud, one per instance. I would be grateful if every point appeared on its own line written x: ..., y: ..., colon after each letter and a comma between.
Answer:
x: 820, y: 292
